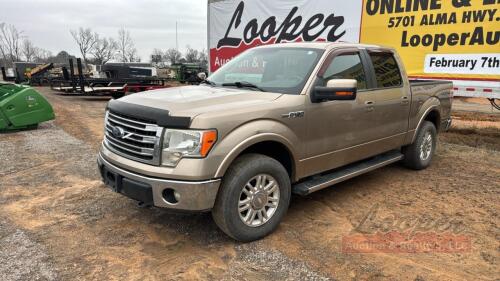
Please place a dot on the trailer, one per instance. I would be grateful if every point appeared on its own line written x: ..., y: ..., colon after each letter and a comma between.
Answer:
x: 8, y: 74
x: 37, y: 75
x: 456, y: 41
x: 30, y: 72
x: 128, y: 70
x: 21, y: 69
x: 80, y: 85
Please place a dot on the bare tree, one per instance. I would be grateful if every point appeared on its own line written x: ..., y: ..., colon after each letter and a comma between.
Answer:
x: 203, y: 57
x: 126, y: 47
x: 3, y: 53
x: 104, y: 50
x: 173, y: 56
x: 133, y: 56
x: 10, y: 40
x: 29, y: 50
x: 86, y: 39
x: 191, y: 55
x: 157, y: 56
x: 42, y: 55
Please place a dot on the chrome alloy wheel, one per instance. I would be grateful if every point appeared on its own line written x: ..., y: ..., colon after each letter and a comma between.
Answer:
x: 426, y: 146
x: 259, y: 200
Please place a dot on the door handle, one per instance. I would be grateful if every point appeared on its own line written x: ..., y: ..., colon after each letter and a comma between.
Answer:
x: 369, y: 106
x: 405, y: 101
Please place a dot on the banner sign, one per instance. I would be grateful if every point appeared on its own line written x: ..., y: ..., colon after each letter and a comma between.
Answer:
x: 235, y: 26
x: 452, y: 39
x: 455, y: 39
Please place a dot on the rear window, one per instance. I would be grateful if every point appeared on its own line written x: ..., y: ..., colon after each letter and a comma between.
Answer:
x: 386, y: 70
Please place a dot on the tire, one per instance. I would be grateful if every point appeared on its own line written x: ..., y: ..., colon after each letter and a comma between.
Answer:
x: 418, y: 155
x: 248, y: 169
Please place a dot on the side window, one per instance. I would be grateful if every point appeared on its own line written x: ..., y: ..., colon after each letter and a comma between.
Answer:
x: 347, y: 66
x: 386, y: 70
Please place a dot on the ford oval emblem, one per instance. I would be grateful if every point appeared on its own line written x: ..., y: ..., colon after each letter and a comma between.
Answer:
x: 118, y: 132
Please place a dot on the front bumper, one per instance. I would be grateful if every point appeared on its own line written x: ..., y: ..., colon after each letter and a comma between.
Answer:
x: 189, y: 195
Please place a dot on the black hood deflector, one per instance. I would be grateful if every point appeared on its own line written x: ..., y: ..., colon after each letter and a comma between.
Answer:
x: 159, y: 116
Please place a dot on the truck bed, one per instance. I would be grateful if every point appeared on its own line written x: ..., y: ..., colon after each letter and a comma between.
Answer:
x: 442, y: 90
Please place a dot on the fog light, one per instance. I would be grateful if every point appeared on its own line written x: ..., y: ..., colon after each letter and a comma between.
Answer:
x: 171, y: 196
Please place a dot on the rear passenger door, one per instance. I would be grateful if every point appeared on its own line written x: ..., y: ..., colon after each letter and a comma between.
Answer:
x: 388, y: 98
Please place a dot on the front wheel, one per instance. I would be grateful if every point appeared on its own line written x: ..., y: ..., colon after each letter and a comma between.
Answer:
x: 418, y: 155
x: 253, y: 198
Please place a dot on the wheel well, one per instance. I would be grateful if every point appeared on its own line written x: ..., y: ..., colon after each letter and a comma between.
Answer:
x: 275, y: 150
x: 434, y: 118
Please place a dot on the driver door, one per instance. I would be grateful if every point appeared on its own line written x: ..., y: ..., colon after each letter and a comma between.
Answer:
x: 338, y: 129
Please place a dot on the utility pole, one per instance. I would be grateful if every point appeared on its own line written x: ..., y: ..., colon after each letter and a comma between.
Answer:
x: 176, y: 38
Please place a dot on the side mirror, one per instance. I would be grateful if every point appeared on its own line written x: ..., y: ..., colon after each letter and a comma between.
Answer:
x: 336, y: 89
x: 202, y: 76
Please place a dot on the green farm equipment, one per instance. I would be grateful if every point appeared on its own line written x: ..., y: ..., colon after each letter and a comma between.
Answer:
x: 188, y: 72
x: 22, y: 107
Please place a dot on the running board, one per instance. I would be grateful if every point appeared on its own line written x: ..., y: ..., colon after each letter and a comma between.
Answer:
x: 339, y: 175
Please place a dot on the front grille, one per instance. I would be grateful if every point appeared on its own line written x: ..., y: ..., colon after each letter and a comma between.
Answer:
x: 140, y: 139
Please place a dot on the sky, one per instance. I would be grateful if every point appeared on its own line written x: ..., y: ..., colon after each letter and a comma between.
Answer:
x: 47, y: 23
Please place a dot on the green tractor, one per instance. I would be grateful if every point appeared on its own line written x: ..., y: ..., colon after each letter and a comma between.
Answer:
x: 188, y: 72
x: 22, y: 107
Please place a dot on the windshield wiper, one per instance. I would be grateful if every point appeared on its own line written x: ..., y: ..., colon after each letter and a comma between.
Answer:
x: 243, y: 84
x: 206, y: 81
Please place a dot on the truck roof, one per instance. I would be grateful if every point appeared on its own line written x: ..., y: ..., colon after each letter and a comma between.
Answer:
x: 321, y: 45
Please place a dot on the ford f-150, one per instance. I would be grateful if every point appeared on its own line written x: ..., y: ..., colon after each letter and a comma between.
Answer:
x: 275, y: 120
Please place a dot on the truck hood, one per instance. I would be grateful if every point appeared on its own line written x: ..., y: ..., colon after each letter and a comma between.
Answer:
x: 190, y: 101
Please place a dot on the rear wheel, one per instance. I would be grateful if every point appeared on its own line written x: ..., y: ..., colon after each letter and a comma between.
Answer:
x: 418, y: 155
x: 253, y: 198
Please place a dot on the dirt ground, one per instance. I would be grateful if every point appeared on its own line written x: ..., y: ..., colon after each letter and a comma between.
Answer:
x: 59, y: 222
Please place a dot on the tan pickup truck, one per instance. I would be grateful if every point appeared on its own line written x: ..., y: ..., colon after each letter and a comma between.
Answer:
x: 275, y: 120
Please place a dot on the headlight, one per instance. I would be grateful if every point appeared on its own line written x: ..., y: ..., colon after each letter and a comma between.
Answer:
x: 178, y: 144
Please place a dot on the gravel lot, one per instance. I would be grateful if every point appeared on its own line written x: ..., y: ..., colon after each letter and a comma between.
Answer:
x: 59, y: 222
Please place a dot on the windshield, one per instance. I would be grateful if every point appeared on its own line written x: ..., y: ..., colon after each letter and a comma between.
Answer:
x: 283, y: 70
